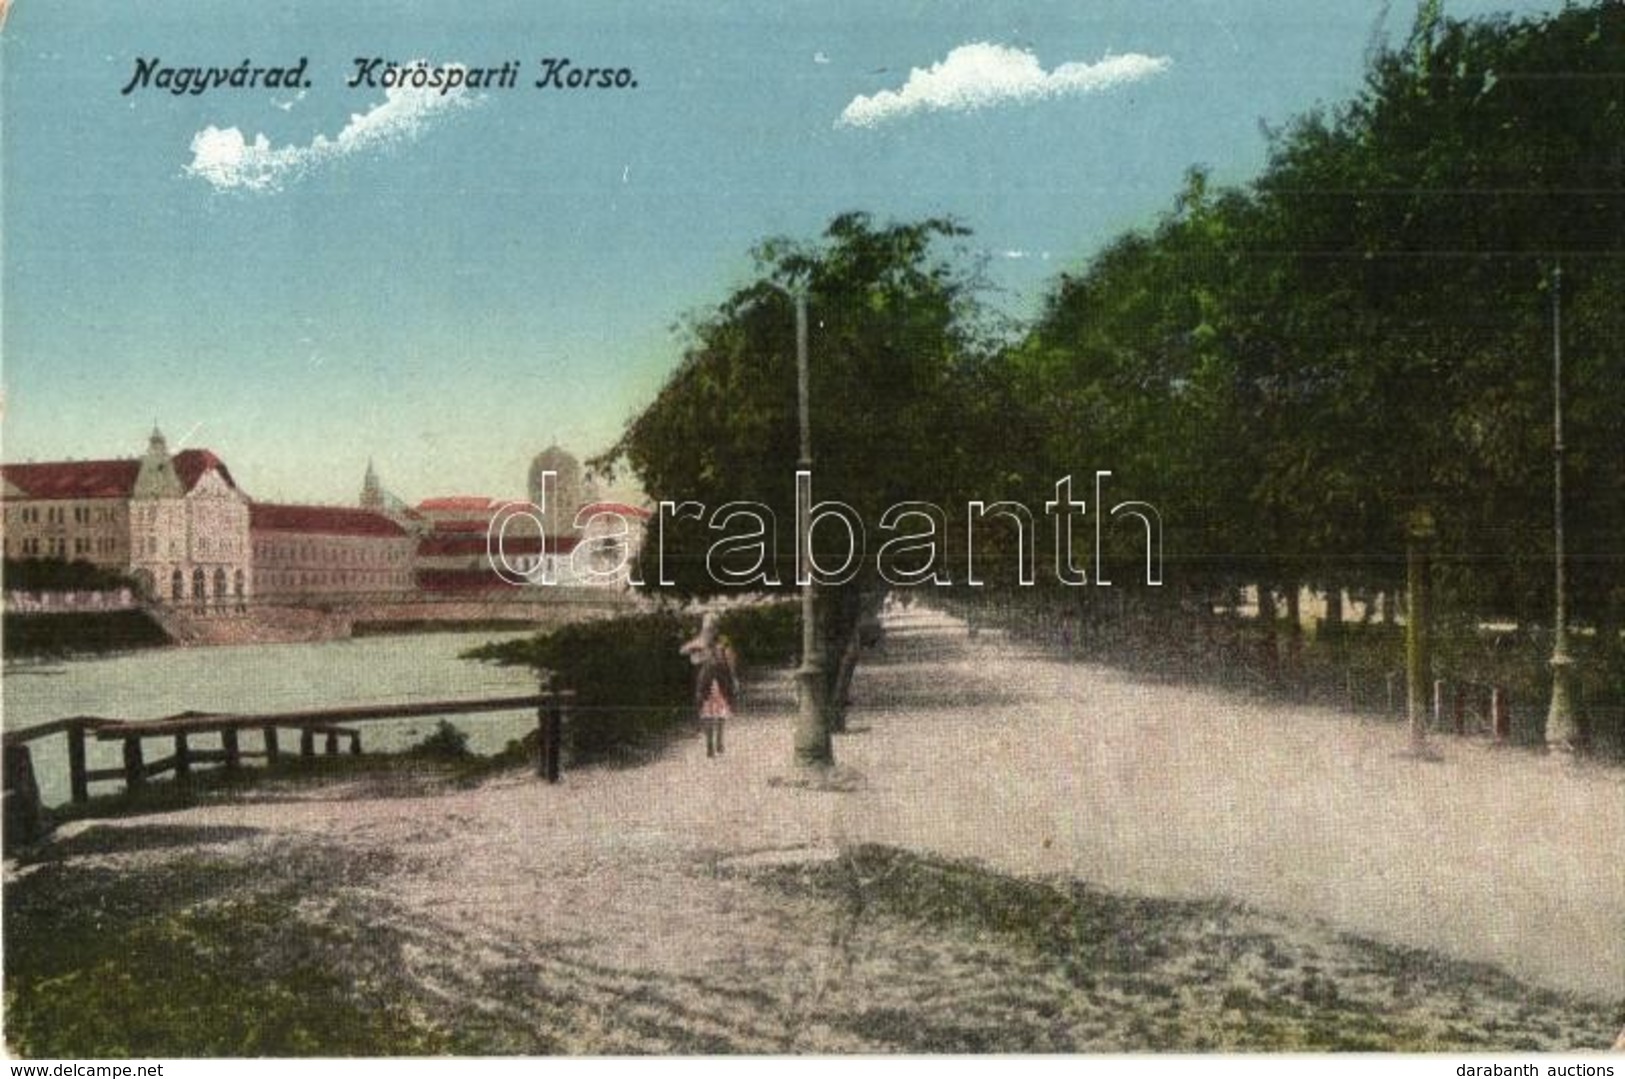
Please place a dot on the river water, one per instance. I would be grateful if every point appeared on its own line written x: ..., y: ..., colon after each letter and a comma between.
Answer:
x: 263, y: 678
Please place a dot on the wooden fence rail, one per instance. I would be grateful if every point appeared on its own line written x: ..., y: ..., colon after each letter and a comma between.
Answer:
x: 25, y: 817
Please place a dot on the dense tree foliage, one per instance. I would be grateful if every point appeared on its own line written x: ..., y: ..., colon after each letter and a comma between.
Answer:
x: 895, y: 338
x: 1344, y: 361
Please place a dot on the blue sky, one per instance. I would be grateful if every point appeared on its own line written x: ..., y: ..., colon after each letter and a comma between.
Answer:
x: 447, y: 286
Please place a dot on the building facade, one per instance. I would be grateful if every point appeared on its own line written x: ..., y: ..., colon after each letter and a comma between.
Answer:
x: 180, y: 527
x: 177, y: 524
x: 313, y: 554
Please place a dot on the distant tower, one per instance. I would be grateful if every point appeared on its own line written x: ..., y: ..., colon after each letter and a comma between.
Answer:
x: 559, y: 511
x: 372, y: 495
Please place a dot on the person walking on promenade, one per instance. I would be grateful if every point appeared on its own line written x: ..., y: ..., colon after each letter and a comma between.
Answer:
x: 716, y: 681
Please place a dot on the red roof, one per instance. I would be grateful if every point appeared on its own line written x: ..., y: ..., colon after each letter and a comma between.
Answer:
x: 455, y: 504
x: 442, y: 527
x: 74, y: 479
x: 326, y: 520
x: 621, y: 508
x: 190, y: 466
x: 106, y: 479
x: 512, y: 544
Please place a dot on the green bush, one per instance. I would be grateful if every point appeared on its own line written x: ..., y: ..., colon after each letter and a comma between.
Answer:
x: 632, y: 686
x: 764, y: 634
x: 81, y: 632
x: 60, y: 575
x: 445, y: 742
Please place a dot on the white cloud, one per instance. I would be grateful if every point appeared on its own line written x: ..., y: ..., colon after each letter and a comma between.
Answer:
x: 980, y: 74
x: 226, y: 159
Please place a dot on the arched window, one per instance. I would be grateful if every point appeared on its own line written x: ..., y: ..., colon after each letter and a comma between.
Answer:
x: 220, y: 589
x: 242, y: 603
x: 144, y: 584
x: 200, y: 590
x: 177, y: 586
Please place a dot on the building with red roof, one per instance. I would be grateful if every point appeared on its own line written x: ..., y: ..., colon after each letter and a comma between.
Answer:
x: 306, y: 554
x: 178, y: 524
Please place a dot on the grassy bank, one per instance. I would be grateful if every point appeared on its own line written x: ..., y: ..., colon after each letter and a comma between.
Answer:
x: 1057, y: 966
x: 196, y: 955
x: 193, y: 946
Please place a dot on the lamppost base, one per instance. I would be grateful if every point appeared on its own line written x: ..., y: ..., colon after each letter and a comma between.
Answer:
x: 814, y: 749
x: 1562, y: 731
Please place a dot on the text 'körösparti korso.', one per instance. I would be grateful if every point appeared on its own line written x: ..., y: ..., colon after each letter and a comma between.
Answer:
x: 379, y: 73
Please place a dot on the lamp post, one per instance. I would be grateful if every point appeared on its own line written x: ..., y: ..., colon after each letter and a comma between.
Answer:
x: 1561, y: 730
x: 1419, y: 533
x: 813, y: 746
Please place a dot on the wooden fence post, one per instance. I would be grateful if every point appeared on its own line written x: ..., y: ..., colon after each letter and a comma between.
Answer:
x: 183, y: 760
x: 549, y: 728
x: 332, y: 743
x: 273, y: 752
x: 78, y: 779
x: 135, y: 769
x: 24, y: 817
x: 307, y: 742
x: 1438, y: 703
x: 355, y: 743
x: 228, y: 744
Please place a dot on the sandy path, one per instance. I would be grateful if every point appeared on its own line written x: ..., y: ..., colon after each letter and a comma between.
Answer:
x: 1494, y: 855
x: 1035, y: 766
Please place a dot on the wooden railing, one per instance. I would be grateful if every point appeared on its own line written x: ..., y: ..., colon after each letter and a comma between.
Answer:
x: 24, y: 812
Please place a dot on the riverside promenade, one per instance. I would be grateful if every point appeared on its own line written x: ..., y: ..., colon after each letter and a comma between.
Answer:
x: 693, y: 905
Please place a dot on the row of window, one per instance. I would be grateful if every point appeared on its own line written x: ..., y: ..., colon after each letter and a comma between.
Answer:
x: 57, y: 546
x: 56, y: 515
x: 100, y: 545
x: 310, y: 553
x: 201, y: 591
x: 266, y: 581
x: 226, y: 545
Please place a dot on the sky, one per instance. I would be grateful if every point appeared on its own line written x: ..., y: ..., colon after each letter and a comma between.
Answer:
x: 305, y: 278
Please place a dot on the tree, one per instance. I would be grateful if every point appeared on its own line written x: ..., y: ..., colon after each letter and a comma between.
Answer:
x: 1351, y: 355
x: 893, y: 345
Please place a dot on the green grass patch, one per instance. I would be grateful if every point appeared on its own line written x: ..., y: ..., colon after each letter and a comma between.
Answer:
x: 1101, y: 972
x: 202, y: 957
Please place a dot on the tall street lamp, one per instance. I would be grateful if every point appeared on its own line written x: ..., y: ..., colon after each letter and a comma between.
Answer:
x: 813, y: 746
x: 1561, y: 730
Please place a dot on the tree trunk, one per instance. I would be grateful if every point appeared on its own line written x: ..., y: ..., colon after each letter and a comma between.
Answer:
x: 1294, y: 628
x: 1269, y: 648
x: 1332, y: 627
x: 841, y: 614
x: 1418, y: 643
x: 1611, y: 656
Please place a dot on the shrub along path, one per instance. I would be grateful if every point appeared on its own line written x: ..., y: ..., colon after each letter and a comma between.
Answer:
x: 1019, y: 853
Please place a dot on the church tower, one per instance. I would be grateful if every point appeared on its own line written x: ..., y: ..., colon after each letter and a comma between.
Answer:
x: 372, y: 495
x: 564, y: 496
